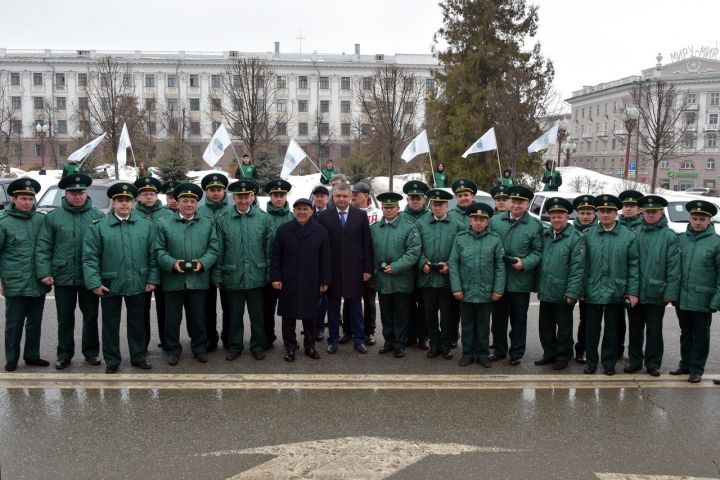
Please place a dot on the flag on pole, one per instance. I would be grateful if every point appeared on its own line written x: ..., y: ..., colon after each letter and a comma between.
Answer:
x: 483, y: 144
x: 545, y: 140
x: 123, y: 145
x: 218, y: 143
x: 86, y: 149
x: 293, y: 157
x: 416, y: 147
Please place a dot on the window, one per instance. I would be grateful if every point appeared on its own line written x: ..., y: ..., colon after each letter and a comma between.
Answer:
x: 194, y: 128
x: 194, y: 104
x: 14, y: 78
x: 325, y: 152
x: 61, y: 103
x: 711, y: 140
x: 59, y: 79
x: 37, y: 79
x: 194, y: 80
x: 149, y: 80
x: 324, y: 128
x: 302, y: 105
x: 215, y: 81
x: 687, y: 165
x: 367, y: 83
x: 715, y: 99
x: 172, y: 104
x: 172, y: 81
x: 302, y: 82
x: 215, y: 126
x: 365, y: 129
x: 280, y: 106
x: 710, y: 164
x: 82, y: 80
x: 344, y: 83
x: 236, y: 128
x: 324, y: 106
x: 16, y: 103
x: 151, y: 128
x: 430, y: 84
x: 324, y: 83
x: 665, y: 164
x: 62, y: 150
x: 38, y: 149
x: 260, y: 104
x: 83, y: 103
x: 409, y: 130
x: 173, y: 126
x: 690, y: 118
x: 345, y: 106
x: 344, y: 151
x: 215, y: 104
x: 344, y: 129
x: 38, y: 103
x: 302, y: 129
x: 282, y: 128
x: 613, y: 144
x: 281, y: 81
x: 16, y: 126
x: 409, y: 83
x: 127, y: 80
x: 408, y: 108
x: 691, y: 99
x: 259, y: 82
x: 61, y: 126
x: 236, y: 81
x: 150, y: 104
x: 713, y: 119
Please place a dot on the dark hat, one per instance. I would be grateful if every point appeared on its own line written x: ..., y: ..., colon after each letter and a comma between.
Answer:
x: 214, y: 180
x: 277, y: 186
x: 464, y: 185
x: 148, y: 183
x: 23, y: 186
x: 389, y: 199
x: 630, y: 197
x: 479, y: 210
x: 519, y: 192
x: 122, y: 189
x: 701, y: 207
x: 188, y: 190
x: 76, y: 181
x: 168, y: 187
x: 415, y: 187
x: 607, y: 201
x: 243, y: 185
x: 652, y: 202
x: 499, y: 191
x: 584, y: 202
x: 507, y: 170
x: 438, y: 195
x: 361, y: 187
x: 320, y: 189
x: 302, y: 201
x: 558, y: 205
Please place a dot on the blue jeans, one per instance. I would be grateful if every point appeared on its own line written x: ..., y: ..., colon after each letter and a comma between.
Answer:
x: 356, y: 319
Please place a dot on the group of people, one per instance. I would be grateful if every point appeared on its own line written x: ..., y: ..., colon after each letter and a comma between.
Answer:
x: 441, y: 275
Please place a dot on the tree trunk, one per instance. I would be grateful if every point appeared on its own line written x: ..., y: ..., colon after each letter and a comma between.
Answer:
x: 391, y: 171
x: 654, y: 175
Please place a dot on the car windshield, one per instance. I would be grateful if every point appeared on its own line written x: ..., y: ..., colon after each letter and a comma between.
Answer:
x: 678, y: 214
x: 486, y: 199
x: 52, y: 197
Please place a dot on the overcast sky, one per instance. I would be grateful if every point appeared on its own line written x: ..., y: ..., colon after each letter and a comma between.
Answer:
x: 589, y: 42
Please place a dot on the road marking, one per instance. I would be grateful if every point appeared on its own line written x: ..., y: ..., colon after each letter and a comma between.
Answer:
x: 370, y: 458
x: 627, y: 476
x: 338, y: 381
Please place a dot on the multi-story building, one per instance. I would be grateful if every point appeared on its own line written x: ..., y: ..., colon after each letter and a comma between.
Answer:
x: 597, y: 126
x: 315, y: 92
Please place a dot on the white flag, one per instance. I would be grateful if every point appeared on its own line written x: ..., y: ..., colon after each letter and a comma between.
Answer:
x: 86, y: 149
x: 416, y: 147
x: 483, y: 144
x: 293, y: 157
x: 123, y: 145
x: 545, y: 140
x: 218, y: 143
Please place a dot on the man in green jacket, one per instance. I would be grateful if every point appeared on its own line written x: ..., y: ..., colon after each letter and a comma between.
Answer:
x: 58, y: 264
x: 465, y: 191
x: 501, y: 198
x: 245, y: 234
x: 279, y: 212
x: 477, y: 278
x: 659, y: 251
x: 612, y: 279
x: 522, y: 240
x: 551, y: 177
x: 396, y: 249
x: 186, y: 248
x: 327, y: 173
x: 246, y: 169
x: 119, y: 264
x: 560, y: 283
x: 699, y: 288
x: 632, y: 219
x: 585, y: 219
x: 214, y: 185
x: 24, y: 293
x: 170, y: 200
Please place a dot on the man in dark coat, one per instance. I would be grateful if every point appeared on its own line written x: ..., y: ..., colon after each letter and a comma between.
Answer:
x: 300, y: 271
x: 352, y: 262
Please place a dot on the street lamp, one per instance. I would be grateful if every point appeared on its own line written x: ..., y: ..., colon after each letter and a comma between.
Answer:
x: 561, y: 135
x: 569, y: 149
x: 42, y: 131
x: 630, y: 122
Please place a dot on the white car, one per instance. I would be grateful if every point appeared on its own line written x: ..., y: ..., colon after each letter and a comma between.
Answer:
x: 540, y: 198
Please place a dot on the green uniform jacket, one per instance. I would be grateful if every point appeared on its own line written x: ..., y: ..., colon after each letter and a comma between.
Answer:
x: 580, y: 227
x: 278, y: 216
x: 59, y: 245
x: 120, y: 255
x: 396, y: 244
x: 612, y: 270
x: 412, y: 216
x: 562, y: 270
x: 180, y: 239
x: 700, y: 278
x: 71, y: 169
x: 522, y: 239
x: 552, y: 180
x: 476, y: 266
x: 441, y: 179
x: 154, y: 213
x: 213, y: 209
x: 460, y: 215
x: 631, y: 223
x: 245, y: 249
x: 18, y: 233
x: 659, y: 250
x: 327, y: 174
x: 437, y: 237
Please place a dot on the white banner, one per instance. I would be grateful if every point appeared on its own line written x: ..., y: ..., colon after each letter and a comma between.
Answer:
x: 218, y: 143
x: 123, y: 145
x: 293, y: 157
x: 545, y: 140
x: 483, y: 144
x: 86, y: 149
x: 418, y: 146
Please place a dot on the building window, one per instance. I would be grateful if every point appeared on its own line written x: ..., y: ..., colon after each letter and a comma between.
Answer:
x: 325, y: 152
x: 691, y: 99
x: 62, y: 126
x: 236, y: 128
x: 280, y: 107
x: 711, y: 140
x: 687, y: 165
x: 713, y: 119
x: 430, y: 84
x: 62, y: 150
x: 345, y: 106
x: 715, y: 99
x: 260, y: 105
x: 38, y: 103
x: 710, y: 164
x: 172, y: 104
x: 127, y: 80
x: 367, y: 83
x: 215, y: 126
x: 83, y: 103
x: 324, y: 128
x: 302, y: 82
x: 664, y: 164
x: 151, y: 128
x: 194, y: 80
x: 172, y: 81
x: 302, y: 106
x: 38, y: 149
x: 37, y: 79
x: 149, y: 80
x: 215, y: 104
x: 281, y: 81
x: 613, y: 144
x: 259, y: 82
x: 18, y: 150
x: 173, y: 126
x: 408, y: 108
x: 344, y: 83
x: 14, y: 78
x: 409, y: 130
x: 324, y: 106
x: 16, y: 103
x: 344, y: 151
x: 214, y: 81
x: 324, y: 83
x: 282, y: 128
x: 689, y: 141
x: 344, y: 129
x: 690, y: 118
x: 194, y: 128
x: 16, y: 126
x: 302, y: 128
x: 82, y: 79
x: 59, y: 79
x: 194, y: 104
x: 365, y: 129
x: 61, y: 103
x: 150, y: 104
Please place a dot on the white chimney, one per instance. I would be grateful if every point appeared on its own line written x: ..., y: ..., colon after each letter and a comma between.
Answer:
x: 277, y: 48
x: 357, y: 49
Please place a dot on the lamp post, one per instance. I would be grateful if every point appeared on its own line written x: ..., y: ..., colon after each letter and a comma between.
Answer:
x: 630, y: 122
x: 42, y: 132
x: 561, y: 135
x: 570, y: 148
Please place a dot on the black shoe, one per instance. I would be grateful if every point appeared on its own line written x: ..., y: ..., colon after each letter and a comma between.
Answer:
x: 331, y: 349
x: 94, y: 361
x: 680, y: 371
x: 580, y: 357
x: 385, y: 349
x: 142, y: 365
x: 621, y: 352
x: 230, y: 356
x: 424, y: 344
x: 631, y: 369
x: 111, y: 369
x: 161, y: 345
x: 558, y: 365
x: 345, y: 339
x: 465, y: 361
x: 201, y: 357
x: 361, y: 348
x: 212, y: 347
x: 319, y: 338
x: 492, y: 347
x: 290, y: 357
x: 694, y: 378
x: 62, y: 364
x: 544, y: 361
x: 312, y: 354
x: 37, y: 362
x: 448, y: 355
x: 609, y: 372
x: 495, y: 358
x: 514, y: 361
x: 716, y: 381
x: 485, y: 362
x: 370, y: 339
x: 173, y: 359
x: 653, y: 372
x: 454, y: 344
x: 589, y: 369
x: 399, y: 353
x: 258, y: 355
x: 432, y: 352
x: 10, y: 367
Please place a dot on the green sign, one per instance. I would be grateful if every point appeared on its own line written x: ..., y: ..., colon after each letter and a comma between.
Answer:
x: 686, y: 174
x: 671, y: 174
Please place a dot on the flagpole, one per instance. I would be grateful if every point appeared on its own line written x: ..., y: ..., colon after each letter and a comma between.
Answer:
x: 499, y: 167
x: 432, y: 169
x: 313, y: 164
x: 235, y: 153
x: 133, y: 155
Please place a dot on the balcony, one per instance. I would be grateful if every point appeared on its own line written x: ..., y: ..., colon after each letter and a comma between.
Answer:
x: 691, y: 127
x: 692, y: 107
x: 711, y: 127
x: 602, y: 133
x: 619, y: 132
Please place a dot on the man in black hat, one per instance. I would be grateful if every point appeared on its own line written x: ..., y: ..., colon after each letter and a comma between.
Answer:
x: 632, y: 219
x: 58, y: 264
x: 551, y: 177
x: 320, y: 197
x: 24, y: 293
x: 465, y: 190
x: 246, y: 169
x: 170, y: 200
x: 501, y: 198
x: 585, y: 219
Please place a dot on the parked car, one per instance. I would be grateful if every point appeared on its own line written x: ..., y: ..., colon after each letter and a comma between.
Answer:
x: 700, y: 191
x: 97, y: 192
x: 4, y: 197
x: 539, y: 200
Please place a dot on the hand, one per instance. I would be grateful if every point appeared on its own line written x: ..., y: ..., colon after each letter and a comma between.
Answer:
x: 277, y: 285
x: 667, y: 302
x: 570, y: 301
x: 633, y: 300
x: 218, y: 285
x: 458, y: 295
x: 176, y: 266
x: 367, y: 277
x: 199, y: 266
x: 496, y: 296
x: 49, y: 281
x: 100, y: 291
x: 388, y: 270
x: 323, y: 288
x: 519, y: 265
x: 426, y: 268
x: 149, y: 287
x: 581, y: 298
x: 445, y: 270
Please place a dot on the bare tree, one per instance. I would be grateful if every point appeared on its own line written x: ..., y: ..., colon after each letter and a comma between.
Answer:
x: 8, y: 129
x: 174, y: 119
x: 390, y: 104
x: 659, y: 107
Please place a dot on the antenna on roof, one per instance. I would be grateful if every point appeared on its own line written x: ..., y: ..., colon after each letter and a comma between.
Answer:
x: 300, y: 38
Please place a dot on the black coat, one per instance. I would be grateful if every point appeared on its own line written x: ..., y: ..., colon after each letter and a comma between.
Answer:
x: 350, y: 251
x: 301, y: 261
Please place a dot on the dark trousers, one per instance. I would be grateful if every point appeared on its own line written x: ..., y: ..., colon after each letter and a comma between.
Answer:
x: 394, y: 308
x: 633, y: 315
x: 475, y: 322
x: 646, y: 327
x: 289, y: 337
x: 194, y: 303
x: 694, y: 340
x: 417, y: 329
x: 354, y: 316
x: 111, y: 310
x: 580, y: 344
x: 211, y: 315
x: 513, y: 306
x: 440, y: 329
x: 555, y: 327
x: 160, y: 312
x: 19, y: 312
x: 369, y: 313
x: 67, y: 298
x: 237, y: 300
x: 322, y: 314
x: 270, y: 300
x: 612, y: 314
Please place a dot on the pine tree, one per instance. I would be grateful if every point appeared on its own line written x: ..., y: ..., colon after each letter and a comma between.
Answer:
x: 174, y: 162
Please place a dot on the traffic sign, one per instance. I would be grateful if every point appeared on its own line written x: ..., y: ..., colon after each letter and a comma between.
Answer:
x: 632, y: 167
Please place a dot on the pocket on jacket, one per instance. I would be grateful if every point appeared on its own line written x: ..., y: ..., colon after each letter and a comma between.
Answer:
x: 228, y: 268
x: 655, y: 288
x: 109, y: 275
x: 12, y: 274
x: 621, y: 284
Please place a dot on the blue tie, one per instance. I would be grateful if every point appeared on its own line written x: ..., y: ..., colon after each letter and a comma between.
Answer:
x: 342, y: 218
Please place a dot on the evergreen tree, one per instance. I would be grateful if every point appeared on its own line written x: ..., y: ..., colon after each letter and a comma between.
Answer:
x: 174, y: 162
